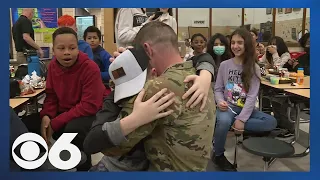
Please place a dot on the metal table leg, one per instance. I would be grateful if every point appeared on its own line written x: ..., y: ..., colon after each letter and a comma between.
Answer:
x: 235, y: 163
x: 266, y: 166
x: 268, y: 162
x: 297, y: 129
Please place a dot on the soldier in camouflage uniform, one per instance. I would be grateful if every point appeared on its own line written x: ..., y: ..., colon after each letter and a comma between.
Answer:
x: 181, y: 141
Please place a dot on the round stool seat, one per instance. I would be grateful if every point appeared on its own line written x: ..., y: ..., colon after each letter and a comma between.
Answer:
x: 268, y: 147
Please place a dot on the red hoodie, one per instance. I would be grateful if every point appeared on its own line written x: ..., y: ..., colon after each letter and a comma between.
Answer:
x: 73, y: 92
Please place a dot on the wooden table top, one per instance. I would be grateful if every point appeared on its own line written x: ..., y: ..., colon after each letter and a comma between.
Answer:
x: 300, y: 92
x: 17, y: 102
x: 38, y: 91
x: 305, y: 85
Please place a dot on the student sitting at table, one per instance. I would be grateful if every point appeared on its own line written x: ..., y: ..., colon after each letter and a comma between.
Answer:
x: 92, y: 35
x: 302, y: 61
x: 236, y: 90
x: 277, y: 53
x: 74, y: 93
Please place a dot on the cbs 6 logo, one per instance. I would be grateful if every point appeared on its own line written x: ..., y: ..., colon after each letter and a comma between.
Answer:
x: 30, y: 151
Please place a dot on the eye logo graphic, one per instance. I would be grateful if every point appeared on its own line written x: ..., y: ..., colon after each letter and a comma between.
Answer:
x: 30, y: 151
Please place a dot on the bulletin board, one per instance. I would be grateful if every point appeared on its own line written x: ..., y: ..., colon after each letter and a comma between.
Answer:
x: 289, y: 30
x: 194, y: 30
x: 44, y: 19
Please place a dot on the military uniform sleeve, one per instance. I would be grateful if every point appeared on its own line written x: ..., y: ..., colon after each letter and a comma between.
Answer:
x: 151, y: 87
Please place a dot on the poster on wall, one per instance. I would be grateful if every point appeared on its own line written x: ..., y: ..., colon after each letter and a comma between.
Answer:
x: 44, y: 19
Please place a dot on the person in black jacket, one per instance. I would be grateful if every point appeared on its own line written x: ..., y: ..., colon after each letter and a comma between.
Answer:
x: 304, y: 60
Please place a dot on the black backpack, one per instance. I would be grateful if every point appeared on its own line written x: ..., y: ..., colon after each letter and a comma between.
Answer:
x: 14, y: 88
x: 22, y: 71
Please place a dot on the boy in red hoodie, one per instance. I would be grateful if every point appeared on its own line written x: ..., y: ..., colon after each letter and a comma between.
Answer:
x: 74, y: 91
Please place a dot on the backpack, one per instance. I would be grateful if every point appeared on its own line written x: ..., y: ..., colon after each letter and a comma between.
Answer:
x: 22, y: 71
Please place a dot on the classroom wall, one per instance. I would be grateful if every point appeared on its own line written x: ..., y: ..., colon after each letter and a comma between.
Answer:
x: 98, y: 12
x: 185, y: 18
x: 39, y: 36
x: 226, y: 20
x: 108, y: 29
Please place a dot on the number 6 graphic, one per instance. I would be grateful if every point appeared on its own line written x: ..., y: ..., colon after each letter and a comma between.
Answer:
x: 64, y: 144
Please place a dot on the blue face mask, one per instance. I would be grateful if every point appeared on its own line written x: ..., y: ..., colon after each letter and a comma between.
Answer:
x: 219, y: 50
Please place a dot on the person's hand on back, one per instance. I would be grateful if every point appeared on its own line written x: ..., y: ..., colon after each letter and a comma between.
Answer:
x: 157, y: 106
x: 199, y: 89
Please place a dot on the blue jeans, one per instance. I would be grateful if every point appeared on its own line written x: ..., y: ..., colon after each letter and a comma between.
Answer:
x: 257, y: 122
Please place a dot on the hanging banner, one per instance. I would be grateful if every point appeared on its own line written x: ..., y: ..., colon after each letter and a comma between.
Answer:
x: 44, y: 19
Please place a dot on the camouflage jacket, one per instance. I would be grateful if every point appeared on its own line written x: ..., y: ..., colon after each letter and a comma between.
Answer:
x: 181, y: 141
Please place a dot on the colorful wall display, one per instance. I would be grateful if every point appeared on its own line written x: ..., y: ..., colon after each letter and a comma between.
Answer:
x: 44, y: 20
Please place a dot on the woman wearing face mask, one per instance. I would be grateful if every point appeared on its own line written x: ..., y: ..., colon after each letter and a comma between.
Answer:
x: 167, y: 18
x: 277, y: 53
x: 198, y: 44
x: 304, y: 60
x: 218, y: 47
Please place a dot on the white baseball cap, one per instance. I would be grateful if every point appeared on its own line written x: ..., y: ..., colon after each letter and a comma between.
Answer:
x: 129, y: 73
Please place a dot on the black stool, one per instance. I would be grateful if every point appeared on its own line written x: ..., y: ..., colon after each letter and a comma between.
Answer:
x: 268, y: 148
x: 246, y: 135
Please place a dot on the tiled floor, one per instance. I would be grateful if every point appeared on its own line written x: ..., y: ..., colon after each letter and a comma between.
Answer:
x: 249, y: 162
